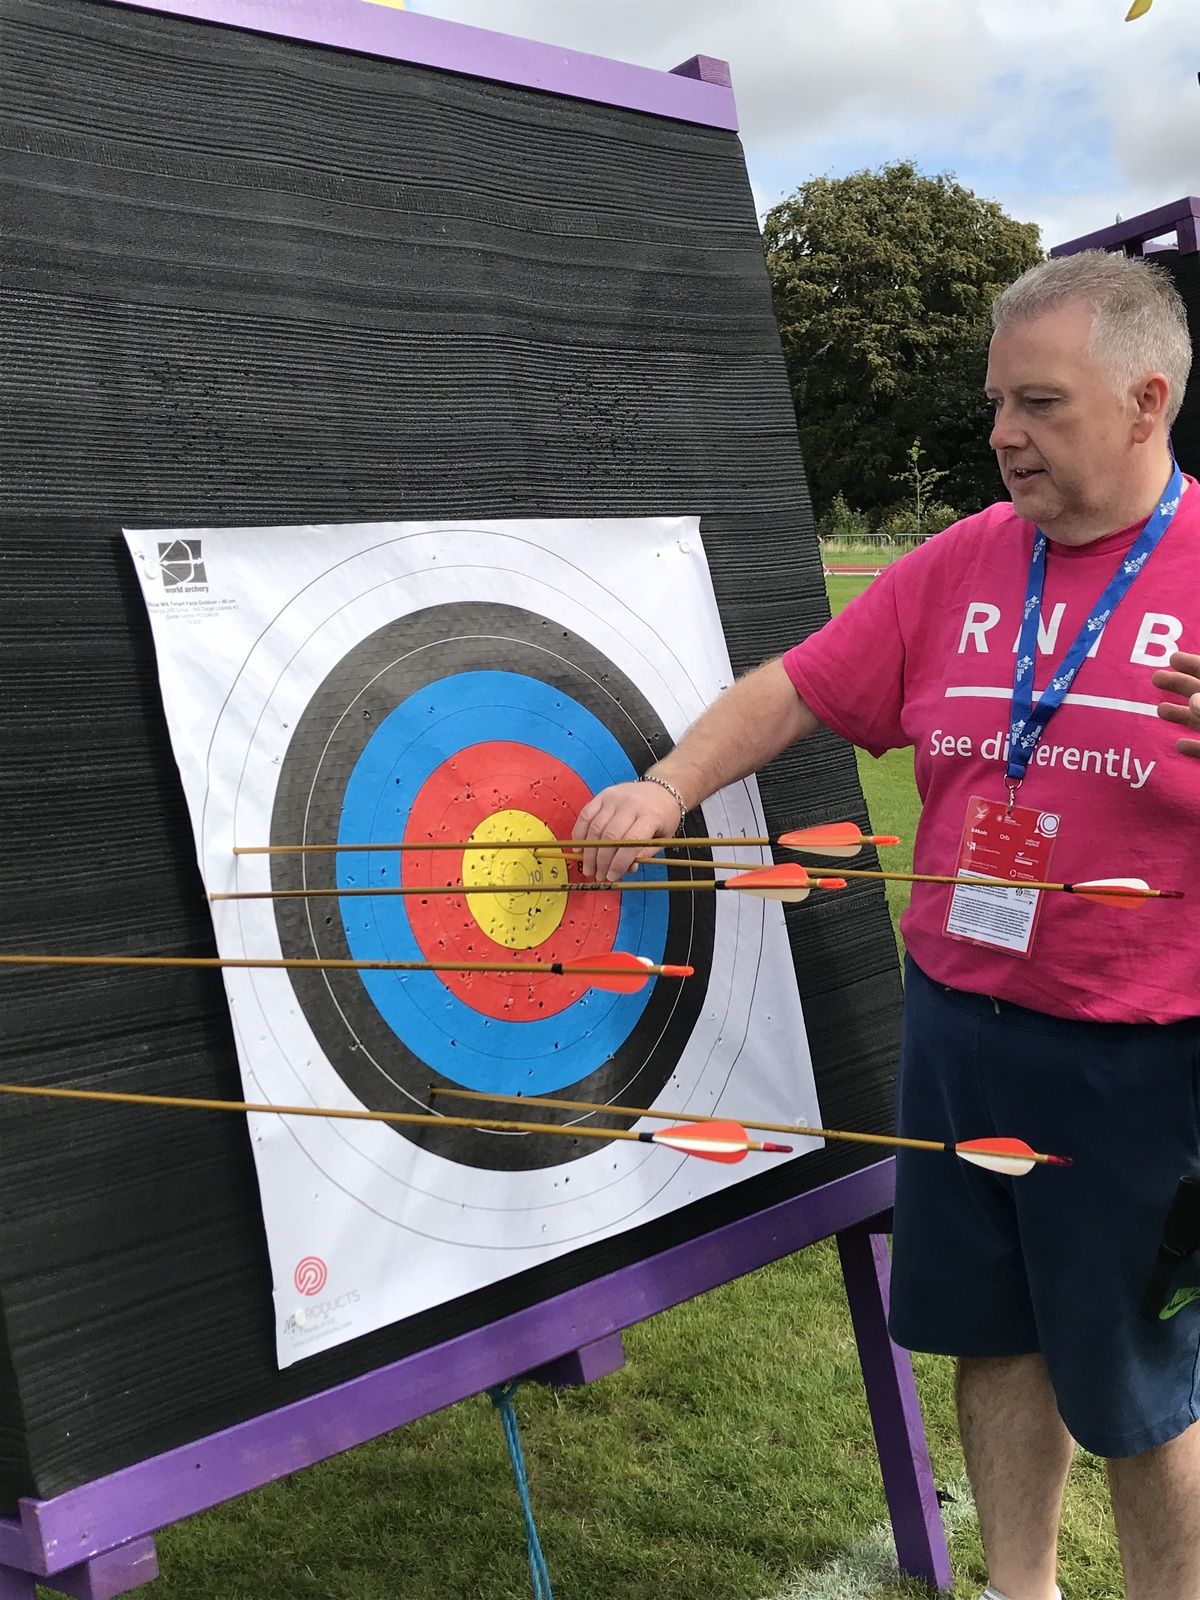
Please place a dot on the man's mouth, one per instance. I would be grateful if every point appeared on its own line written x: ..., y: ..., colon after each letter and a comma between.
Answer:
x: 1022, y: 474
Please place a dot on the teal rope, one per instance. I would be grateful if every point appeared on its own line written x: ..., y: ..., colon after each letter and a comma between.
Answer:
x: 501, y: 1397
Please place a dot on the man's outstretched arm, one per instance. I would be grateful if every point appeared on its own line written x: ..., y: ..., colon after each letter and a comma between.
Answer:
x: 739, y: 733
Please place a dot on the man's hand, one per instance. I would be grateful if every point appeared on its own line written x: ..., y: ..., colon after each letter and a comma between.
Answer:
x: 1184, y: 679
x: 625, y: 811
x: 741, y: 731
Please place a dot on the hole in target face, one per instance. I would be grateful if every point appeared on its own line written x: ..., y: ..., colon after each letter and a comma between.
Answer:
x: 485, y: 722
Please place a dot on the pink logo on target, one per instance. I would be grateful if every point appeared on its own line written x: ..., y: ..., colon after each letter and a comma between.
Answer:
x: 310, y: 1275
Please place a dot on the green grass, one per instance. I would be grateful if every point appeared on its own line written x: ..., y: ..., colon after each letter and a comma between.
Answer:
x: 731, y: 1457
x: 892, y: 802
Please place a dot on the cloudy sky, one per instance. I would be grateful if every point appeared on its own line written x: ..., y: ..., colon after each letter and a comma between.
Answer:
x: 1058, y: 109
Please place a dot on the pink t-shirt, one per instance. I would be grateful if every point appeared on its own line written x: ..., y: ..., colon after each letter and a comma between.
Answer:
x: 925, y: 658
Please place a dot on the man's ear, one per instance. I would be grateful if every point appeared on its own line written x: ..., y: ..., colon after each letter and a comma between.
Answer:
x: 1151, y: 398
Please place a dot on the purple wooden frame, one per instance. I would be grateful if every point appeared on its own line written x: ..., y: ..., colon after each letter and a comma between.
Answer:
x: 96, y: 1541
x: 697, y: 91
x: 1181, y: 217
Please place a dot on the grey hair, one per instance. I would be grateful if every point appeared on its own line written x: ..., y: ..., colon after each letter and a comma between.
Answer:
x: 1139, y: 322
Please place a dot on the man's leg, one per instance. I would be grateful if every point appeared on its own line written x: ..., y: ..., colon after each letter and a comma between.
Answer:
x: 1156, y: 1502
x: 1018, y: 1454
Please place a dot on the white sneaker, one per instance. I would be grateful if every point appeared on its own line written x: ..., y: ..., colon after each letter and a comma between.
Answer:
x: 994, y: 1594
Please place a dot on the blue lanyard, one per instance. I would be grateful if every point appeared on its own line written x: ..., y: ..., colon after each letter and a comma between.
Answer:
x: 1028, y: 722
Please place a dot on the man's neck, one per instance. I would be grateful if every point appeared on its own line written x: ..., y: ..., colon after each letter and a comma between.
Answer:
x: 1123, y: 512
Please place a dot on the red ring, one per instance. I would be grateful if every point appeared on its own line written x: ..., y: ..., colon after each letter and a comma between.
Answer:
x: 456, y: 797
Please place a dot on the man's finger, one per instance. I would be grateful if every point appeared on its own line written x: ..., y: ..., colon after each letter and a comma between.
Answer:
x: 612, y: 863
x: 1181, y: 683
x: 1177, y: 714
x: 583, y: 829
x: 599, y: 819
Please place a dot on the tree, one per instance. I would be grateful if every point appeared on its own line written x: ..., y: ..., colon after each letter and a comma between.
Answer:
x: 883, y: 283
x: 920, y: 511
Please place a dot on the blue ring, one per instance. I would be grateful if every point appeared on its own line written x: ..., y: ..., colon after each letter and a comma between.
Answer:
x: 423, y: 732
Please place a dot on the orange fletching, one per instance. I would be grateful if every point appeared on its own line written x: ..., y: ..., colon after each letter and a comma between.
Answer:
x: 789, y: 883
x: 711, y: 1141
x: 834, y: 839
x: 832, y: 833
x: 623, y: 973
x: 1107, y: 892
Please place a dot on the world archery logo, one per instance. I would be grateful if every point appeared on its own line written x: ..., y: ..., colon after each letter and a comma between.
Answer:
x: 310, y: 1275
x: 1181, y: 1298
x: 181, y: 564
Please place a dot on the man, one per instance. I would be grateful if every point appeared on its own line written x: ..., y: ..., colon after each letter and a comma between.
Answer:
x: 1024, y: 670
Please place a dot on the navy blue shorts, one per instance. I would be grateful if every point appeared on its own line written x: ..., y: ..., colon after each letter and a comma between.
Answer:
x: 1057, y: 1261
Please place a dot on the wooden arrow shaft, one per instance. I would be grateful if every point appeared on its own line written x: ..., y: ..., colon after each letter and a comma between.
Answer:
x: 891, y: 1140
x: 407, y: 1118
x: 1017, y: 883
x: 191, y: 1103
x: 673, y: 886
x: 496, y: 844
x: 691, y: 885
x: 319, y: 964
x: 1087, y: 890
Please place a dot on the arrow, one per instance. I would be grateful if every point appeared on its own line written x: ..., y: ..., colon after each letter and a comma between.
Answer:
x: 615, y: 970
x: 1011, y: 1156
x: 788, y: 883
x: 716, y: 1141
x: 842, y: 839
x: 1126, y: 892
x: 813, y: 840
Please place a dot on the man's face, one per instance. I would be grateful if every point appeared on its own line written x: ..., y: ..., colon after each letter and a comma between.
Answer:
x: 1062, y: 435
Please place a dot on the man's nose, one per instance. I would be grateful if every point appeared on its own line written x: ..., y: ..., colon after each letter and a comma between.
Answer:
x: 1006, y: 433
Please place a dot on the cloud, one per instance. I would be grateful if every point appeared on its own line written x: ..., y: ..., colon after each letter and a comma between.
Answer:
x: 1063, y: 113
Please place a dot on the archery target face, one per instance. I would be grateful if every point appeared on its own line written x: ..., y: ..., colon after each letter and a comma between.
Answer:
x: 399, y: 743
x: 379, y: 684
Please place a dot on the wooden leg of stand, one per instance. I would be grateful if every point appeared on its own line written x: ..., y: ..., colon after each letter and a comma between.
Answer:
x: 16, y: 1585
x: 895, y: 1410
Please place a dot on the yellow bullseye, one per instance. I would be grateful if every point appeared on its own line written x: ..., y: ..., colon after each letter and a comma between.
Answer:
x: 524, y: 920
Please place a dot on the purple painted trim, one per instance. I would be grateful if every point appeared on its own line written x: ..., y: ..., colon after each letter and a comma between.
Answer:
x: 50, y: 1535
x: 599, y: 1359
x: 378, y: 30
x: 1181, y: 216
x: 895, y: 1412
x: 16, y: 1585
x: 707, y: 68
x: 114, y: 1573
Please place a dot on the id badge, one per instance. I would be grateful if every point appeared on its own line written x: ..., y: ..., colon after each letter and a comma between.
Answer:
x: 1008, y: 848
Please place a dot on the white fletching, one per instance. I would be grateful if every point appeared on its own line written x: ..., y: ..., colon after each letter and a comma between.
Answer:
x: 1010, y: 1166
x: 1138, y: 884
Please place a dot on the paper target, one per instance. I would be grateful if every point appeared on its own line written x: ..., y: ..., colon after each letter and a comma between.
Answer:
x: 377, y: 684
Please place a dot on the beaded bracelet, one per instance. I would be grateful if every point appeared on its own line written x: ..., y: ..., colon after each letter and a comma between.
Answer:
x: 649, y: 777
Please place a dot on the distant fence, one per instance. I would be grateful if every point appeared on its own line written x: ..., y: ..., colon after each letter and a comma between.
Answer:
x: 867, y: 554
